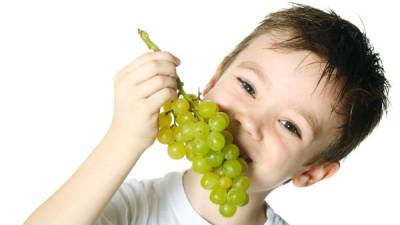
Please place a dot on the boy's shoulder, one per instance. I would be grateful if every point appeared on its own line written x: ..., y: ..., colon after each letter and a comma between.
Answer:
x: 144, y: 202
x: 166, y: 198
x: 274, y: 218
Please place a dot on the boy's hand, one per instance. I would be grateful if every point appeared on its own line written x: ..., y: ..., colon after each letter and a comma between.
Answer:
x: 140, y: 89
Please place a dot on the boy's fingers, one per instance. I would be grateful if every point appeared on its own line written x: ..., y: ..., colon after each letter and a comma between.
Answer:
x: 150, y: 56
x: 152, y: 85
x: 156, y: 100
x: 150, y: 69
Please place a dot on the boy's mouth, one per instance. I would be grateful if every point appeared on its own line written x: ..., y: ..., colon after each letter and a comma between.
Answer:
x: 246, y: 158
x: 243, y: 152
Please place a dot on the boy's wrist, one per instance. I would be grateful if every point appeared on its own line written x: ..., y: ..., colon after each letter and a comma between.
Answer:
x: 115, y: 136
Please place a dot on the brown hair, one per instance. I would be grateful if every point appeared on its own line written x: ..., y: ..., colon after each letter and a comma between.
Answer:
x: 348, y: 57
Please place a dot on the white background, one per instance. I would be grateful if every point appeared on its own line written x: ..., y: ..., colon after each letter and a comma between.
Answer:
x: 58, y: 60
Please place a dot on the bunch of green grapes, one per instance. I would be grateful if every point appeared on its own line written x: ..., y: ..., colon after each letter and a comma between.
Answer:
x: 195, y: 128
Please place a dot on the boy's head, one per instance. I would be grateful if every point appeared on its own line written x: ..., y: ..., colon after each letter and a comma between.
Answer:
x: 303, y: 90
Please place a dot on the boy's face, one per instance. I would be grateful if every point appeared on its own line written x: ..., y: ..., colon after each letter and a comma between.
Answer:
x: 279, y: 117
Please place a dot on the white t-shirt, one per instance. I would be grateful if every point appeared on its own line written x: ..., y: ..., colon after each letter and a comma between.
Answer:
x: 160, y: 201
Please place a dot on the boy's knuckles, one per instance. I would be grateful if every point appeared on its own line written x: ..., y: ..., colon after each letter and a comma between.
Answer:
x: 148, y: 55
x: 170, y: 69
x: 174, y: 94
x: 152, y: 66
x: 165, y: 81
x: 172, y: 83
x: 170, y: 93
x: 165, y: 94
x: 161, y: 67
x: 171, y: 57
x: 159, y: 81
x: 125, y: 75
x: 163, y: 55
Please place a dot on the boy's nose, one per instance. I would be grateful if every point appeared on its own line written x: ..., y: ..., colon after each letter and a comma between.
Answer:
x: 251, y: 125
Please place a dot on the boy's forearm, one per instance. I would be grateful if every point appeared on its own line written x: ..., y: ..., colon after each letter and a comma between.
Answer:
x: 81, y: 199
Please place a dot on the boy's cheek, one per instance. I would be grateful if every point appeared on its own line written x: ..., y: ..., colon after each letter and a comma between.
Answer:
x: 273, y: 168
x: 224, y: 98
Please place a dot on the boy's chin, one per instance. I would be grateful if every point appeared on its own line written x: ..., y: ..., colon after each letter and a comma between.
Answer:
x: 260, y: 186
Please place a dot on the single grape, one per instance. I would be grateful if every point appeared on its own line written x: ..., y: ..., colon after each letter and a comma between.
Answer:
x: 187, y: 132
x: 167, y: 106
x: 165, y: 135
x: 164, y: 120
x: 189, y: 151
x: 176, y: 150
x: 227, y: 210
x: 228, y: 136
x: 230, y: 151
x: 218, y: 195
x: 179, y: 136
x: 225, y: 115
x: 242, y: 182
x: 209, y: 180
x: 207, y: 108
x: 185, y: 117
x: 236, y: 196
x: 175, y: 129
x: 201, y: 129
x: 215, y: 140
x: 214, y: 158
x: 244, y: 164
x: 200, y: 165
x: 200, y: 147
x: 217, y: 122
x: 180, y: 106
x: 225, y: 182
x: 232, y: 168
x: 246, y: 201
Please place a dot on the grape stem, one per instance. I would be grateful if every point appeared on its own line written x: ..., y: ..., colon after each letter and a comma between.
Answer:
x: 150, y: 44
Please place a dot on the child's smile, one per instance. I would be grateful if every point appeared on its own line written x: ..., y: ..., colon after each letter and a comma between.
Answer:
x: 279, y: 116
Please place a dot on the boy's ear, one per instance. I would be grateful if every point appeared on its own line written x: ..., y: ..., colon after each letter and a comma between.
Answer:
x: 315, y: 173
x: 213, y: 80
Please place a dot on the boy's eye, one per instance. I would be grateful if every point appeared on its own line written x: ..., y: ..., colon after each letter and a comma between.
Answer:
x: 247, y: 87
x: 291, y: 127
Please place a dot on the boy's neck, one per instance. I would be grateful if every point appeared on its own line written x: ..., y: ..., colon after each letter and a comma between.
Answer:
x: 253, y: 213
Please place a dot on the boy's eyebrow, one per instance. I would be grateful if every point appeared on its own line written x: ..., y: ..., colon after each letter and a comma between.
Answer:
x: 255, y: 68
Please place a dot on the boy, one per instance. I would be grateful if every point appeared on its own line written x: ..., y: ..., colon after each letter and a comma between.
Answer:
x: 302, y: 91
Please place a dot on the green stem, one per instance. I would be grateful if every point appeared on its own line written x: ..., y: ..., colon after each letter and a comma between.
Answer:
x: 150, y: 44
x: 145, y: 37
